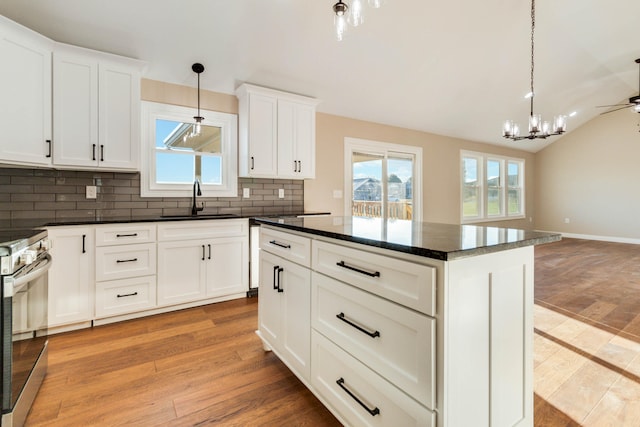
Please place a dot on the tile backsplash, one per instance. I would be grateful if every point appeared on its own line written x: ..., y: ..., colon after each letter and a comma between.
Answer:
x: 33, y: 197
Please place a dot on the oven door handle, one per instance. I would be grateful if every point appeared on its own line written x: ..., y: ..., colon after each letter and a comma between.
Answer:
x: 21, y: 281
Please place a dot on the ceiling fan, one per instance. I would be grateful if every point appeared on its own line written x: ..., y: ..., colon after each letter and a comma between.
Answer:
x: 634, y: 101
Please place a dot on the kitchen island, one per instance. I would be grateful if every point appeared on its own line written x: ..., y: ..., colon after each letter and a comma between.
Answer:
x: 403, y: 323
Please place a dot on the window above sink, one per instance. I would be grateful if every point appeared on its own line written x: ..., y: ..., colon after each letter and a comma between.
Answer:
x: 175, y: 154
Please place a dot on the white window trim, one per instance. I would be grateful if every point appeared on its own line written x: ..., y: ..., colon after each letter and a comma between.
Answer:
x: 384, y: 148
x: 229, y: 147
x: 482, y: 162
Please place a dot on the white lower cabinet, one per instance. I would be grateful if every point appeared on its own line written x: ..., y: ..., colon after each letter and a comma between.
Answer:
x: 202, y: 259
x: 284, y: 306
x: 358, y: 394
x: 71, y: 278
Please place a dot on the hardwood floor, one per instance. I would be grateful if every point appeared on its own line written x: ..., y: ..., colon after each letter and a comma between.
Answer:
x: 201, y: 366
x: 587, y: 334
x: 206, y: 366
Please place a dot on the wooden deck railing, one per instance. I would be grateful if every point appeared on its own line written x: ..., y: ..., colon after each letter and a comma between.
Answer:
x: 397, y: 210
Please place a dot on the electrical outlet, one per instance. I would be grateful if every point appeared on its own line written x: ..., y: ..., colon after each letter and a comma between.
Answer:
x: 91, y: 192
x: 567, y: 220
x: 281, y: 193
x: 246, y: 193
x: 337, y: 194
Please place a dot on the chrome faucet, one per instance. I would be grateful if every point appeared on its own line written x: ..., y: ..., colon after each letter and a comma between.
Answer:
x: 195, y: 209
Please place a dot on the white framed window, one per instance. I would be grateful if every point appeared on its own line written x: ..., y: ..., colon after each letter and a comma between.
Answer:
x: 175, y: 154
x: 382, y: 180
x: 492, y: 187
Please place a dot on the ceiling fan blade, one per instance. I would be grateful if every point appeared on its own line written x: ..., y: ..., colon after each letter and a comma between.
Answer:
x: 620, y: 108
x: 615, y: 105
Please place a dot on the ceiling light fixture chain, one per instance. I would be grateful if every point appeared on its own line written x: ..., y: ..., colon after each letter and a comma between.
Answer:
x: 537, y: 128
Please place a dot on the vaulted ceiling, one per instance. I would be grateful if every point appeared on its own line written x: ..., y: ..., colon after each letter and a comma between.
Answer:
x: 456, y: 68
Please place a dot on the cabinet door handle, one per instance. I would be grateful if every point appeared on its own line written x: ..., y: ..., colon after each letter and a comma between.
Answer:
x: 203, y: 252
x: 275, y: 271
x: 280, y: 270
x: 126, y: 260
x: 101, y: 153
x: 84, y: 240
x: 127, y: 295
x: 295, y: 166
x: 282, y: 245
x: 252, y: 163
x: 209, y: 251
x: 93, y: 151
x: 127, y: 235
x: 49, y: 148
x: 359, y: 270
x: 373, y: 334
x: 373, y: 412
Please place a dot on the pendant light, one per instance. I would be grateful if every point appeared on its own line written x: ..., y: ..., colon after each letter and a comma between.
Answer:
x: 198, y: 69
x: 538, y: 129
x: 350, y: 14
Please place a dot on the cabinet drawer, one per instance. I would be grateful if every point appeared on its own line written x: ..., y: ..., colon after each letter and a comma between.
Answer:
x: 119, y: 262
x: 125, y: 296
x: 202, y: 229
x: 332, y: 369
x: 121, y: 234
x: 409, y: 284
x: 289, y: 246
x: 394, y: 341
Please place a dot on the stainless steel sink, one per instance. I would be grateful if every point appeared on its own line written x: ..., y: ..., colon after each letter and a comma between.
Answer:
x: 201, y: 216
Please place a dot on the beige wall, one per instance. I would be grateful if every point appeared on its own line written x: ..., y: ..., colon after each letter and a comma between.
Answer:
x: 441, y: 167
x: 591, y: 176
x: 441, y: 155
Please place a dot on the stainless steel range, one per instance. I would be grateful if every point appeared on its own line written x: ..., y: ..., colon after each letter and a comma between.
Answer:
x: 24, y: 262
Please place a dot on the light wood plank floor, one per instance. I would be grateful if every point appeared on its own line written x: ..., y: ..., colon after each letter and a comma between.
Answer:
x: 205, y: 366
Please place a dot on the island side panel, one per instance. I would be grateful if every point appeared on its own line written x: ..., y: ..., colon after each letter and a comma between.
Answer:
x: 487, y: 340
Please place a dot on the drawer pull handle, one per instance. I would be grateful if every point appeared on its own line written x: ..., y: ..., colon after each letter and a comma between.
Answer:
x: 84, y: 241
x: 127, y: 235
x: 127, y: 295
x: 368, y: 273
x: 209, y: 257
x: 282, y: 245
x: 127, y: 260
x: 374, y: 334
x: 373, y: 412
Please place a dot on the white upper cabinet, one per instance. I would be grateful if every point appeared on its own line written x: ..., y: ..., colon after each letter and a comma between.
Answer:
x: 96, y: 109
x: 25, y: 103
x: 276, y: 133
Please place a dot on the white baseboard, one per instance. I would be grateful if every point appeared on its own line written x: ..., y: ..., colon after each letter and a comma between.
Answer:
x: 630, y: 240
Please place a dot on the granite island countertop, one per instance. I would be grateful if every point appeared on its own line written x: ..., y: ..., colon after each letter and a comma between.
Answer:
x: 432, y: 240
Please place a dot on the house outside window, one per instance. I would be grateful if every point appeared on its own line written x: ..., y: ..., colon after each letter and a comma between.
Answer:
x: 492, y: 187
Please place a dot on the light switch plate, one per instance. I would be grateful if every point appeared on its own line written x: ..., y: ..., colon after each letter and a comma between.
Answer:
x: 91, y: 192
x: 246, y: 193
x: 281, y: 193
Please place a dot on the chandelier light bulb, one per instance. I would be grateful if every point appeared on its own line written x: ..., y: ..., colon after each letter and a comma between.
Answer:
x: 534, y: 123
x: 546, y: 128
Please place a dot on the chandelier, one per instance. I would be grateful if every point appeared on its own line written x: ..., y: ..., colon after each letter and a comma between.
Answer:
x: 538, y: 129
x: 353, y: 15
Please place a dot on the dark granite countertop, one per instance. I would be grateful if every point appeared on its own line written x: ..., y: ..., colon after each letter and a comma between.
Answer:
x: 155, y: 218
x: 439, y: 241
